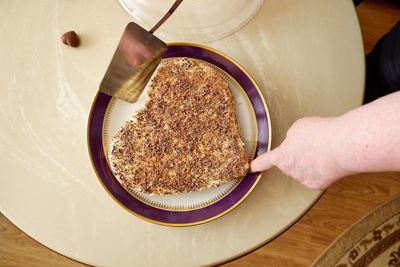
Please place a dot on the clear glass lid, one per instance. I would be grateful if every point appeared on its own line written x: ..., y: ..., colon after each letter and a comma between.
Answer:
x: 194, y: 20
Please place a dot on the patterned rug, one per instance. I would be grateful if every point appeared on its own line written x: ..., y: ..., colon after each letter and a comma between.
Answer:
x: 372, y: 241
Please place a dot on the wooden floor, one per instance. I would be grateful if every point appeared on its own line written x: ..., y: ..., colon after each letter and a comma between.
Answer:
x: 341, y: 206
x: 338, y: 208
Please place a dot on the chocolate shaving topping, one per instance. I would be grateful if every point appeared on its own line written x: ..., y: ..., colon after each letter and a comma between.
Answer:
x: 186, y: 138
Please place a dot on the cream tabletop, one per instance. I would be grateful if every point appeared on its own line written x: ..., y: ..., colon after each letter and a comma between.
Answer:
x: 306, y: 56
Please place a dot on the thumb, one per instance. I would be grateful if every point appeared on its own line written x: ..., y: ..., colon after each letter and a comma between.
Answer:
x: 265, y: 161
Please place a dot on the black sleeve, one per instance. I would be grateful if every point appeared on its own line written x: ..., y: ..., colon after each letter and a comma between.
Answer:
x: 383, y: 66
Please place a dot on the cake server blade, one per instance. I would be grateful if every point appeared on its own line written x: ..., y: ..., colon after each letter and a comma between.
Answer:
x: 136, y: 58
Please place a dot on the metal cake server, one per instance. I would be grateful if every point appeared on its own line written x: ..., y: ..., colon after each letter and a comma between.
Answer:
x: 136, y: 58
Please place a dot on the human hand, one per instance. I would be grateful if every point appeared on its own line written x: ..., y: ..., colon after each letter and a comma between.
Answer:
x: 308, y: 154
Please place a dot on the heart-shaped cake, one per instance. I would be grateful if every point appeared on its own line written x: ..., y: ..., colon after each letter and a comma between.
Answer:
x: 186, y: 138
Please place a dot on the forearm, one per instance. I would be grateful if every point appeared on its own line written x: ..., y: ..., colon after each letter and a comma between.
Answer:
x: 368, y: 138
x: 319, y: 151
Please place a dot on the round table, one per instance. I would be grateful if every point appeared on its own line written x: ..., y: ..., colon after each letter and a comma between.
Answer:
x: 306, y: 56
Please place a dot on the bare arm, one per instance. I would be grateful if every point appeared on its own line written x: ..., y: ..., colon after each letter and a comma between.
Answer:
x: 319, y: 151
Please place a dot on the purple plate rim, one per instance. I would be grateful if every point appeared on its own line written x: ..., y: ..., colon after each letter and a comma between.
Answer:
x: 193, y: 217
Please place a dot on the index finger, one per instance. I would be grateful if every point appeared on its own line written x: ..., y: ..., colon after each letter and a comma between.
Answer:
x: 265, y: 161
